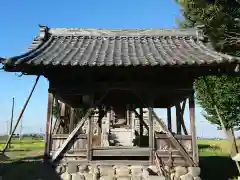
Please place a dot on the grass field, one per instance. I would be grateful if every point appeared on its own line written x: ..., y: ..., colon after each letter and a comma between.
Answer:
x: 24, y: 160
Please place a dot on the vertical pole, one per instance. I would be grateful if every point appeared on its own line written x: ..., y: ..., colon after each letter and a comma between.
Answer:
x: 193, y: 128
x: 20, y: 130
x: 169, y: 119
x: 48, y: 125
x: 150, y: 134
x: 11, y: 121
x: 20, y: 116
x: 178, y: 118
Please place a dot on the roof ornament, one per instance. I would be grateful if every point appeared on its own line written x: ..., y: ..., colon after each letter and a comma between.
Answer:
x: 43, y: 31
x: 200, y: 33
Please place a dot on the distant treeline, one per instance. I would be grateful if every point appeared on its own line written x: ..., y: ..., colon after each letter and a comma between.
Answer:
x: 31, y: 136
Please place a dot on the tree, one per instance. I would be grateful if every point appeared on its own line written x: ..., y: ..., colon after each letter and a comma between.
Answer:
x: 221, y: 20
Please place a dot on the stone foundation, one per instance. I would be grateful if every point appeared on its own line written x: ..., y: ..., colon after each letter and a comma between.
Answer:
x: 121, y: 172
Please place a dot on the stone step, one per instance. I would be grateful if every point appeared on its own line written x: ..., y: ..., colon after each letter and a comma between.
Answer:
x: 156, y: 178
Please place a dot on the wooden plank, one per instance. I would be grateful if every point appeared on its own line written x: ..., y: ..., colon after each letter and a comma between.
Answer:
x: 176, y: 162
x: 107, y: 162
x: 193, y: 128
x: 116, y: 147
x: 71, y: 135
x: 174, y: 153
x: 121, y: 152
x: 65, y: 136
x: 177, y: 136
x: 174, y: 140
x: 80, y: 153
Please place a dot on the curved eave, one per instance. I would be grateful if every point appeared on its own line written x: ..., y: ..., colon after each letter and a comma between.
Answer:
x: 100, y: 48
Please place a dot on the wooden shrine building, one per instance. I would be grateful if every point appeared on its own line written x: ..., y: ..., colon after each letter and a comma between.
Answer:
x: 120, y: 77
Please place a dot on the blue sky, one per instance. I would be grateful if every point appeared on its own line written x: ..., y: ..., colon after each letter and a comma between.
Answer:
x: 19, y: 24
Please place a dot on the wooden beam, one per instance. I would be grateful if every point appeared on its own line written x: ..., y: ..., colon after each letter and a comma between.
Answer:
x: 71, y: 135
x: 49, y: 125
x: 121, y: 152
x: 20, y: 116
x: 193, y: 128
x: 169, y: 119
x: 175, y: 142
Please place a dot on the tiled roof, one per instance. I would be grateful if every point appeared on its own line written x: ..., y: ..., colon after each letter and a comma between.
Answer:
x: 98, y: 47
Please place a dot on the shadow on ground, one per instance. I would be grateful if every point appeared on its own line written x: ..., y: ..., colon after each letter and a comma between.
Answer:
x: 27, y: 169
x: 217, y: 167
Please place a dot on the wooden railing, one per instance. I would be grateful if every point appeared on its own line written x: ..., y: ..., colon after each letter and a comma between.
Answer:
x: 78, y: 144
x: 169, y: 153
x: 77, y: 149
x: 164, y: 143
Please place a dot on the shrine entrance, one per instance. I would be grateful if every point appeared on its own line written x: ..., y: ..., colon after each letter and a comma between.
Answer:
x: 106, y: 85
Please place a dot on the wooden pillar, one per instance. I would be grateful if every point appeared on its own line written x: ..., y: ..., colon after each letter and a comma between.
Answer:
x: 169, y: 119
x: 141, y: 122
x: 105, y: 129
x: 150, y: 134
x: 72, y: 118
x: 62, y: 116
x: 193, y: 128
x: 128, y: 115
x: 178, y: 118
x: 90, y: 129
x: 48, y: 125
x: 90, y: 133
x: 132, y: 119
